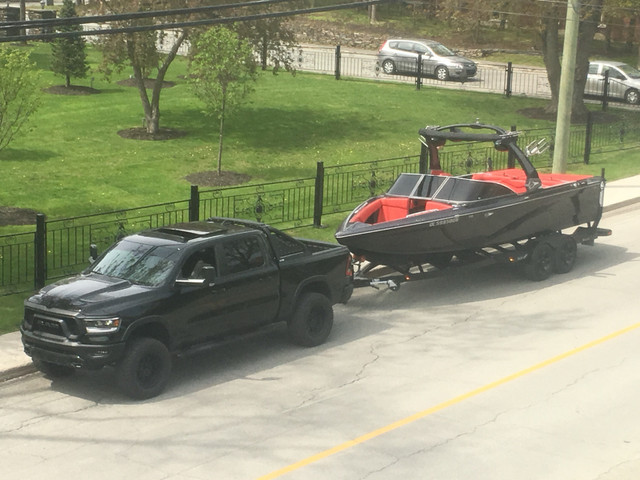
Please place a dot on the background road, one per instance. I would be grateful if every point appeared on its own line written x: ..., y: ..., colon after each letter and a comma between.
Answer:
x: 478, y: 374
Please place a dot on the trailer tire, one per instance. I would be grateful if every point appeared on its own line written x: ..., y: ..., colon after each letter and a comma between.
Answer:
x: 312, y: 320
x: 565, y: 254
x: 540, y: 263
x: 144, y: 371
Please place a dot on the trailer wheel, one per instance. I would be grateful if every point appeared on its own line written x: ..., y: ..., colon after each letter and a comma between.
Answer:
x: 312, y: 320
x: 145, y: 368
x: 565, y: 254
x: 540, y: 264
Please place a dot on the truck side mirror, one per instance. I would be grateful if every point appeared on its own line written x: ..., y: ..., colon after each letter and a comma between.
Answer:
x: 209, y: 274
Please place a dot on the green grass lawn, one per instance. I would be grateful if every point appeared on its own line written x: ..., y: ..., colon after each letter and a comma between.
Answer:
x: 72, y: 156
x: 70, y: 160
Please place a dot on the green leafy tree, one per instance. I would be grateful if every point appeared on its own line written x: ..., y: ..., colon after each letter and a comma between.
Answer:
x: 616, y: 11
x: 272, y: 40
x: 19, y: 92
x: 68, y: 55
x: 222, y: 74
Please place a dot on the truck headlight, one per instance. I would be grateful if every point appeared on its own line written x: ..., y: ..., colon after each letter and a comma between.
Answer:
x: 101, y: 325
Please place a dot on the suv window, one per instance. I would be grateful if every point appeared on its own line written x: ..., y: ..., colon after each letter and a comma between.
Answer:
x: 593, y: 68
x: 241, y: 254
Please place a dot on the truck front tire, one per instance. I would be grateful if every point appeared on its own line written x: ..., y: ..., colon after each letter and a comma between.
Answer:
x: 144, y: 371
x: 312, y: 320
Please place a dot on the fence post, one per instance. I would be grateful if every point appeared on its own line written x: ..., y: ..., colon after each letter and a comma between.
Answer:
x: 194, y: 204
x: 318, y: 195
x: 507, y: 88
x: 40, y: 252
x: 587, y: 138
x: 605, y: 91
x: 511, y: 158
x: 338, y: 61
x: 419, y: 74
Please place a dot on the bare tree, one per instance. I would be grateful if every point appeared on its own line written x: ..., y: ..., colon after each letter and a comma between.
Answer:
x: 140, y: 52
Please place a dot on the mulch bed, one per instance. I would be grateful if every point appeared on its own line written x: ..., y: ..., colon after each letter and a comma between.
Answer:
x: 17, y: 216
x: 211, y: 178
x: 71, y: 90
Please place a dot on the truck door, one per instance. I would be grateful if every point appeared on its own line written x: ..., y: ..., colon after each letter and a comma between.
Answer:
x: 193, y: 310
x: 248, y: 279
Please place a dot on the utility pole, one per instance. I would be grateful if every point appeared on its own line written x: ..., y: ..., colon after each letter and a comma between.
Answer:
x: 567, y: 81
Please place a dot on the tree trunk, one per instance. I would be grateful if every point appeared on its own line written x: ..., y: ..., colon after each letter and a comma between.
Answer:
x: 221, y: 133
x: 264, y: 51
x: 23, y: 17
x: 551, y: 55
x: 67, y: 82
x: 552, y: 52
x: 151, y: 107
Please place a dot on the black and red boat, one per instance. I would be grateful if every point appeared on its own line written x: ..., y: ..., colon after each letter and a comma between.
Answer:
x: 431, y: 217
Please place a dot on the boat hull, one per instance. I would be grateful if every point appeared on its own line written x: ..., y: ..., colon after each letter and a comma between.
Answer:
x: 420, y: 238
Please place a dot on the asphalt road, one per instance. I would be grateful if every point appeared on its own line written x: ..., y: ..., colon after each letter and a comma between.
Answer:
x: 478, y: 374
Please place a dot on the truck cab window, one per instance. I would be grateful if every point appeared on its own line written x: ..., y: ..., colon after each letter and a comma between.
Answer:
x: 239, y: 255
x: 192, y: 267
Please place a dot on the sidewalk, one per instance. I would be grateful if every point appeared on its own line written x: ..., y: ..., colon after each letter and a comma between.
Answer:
x: 14, y: 363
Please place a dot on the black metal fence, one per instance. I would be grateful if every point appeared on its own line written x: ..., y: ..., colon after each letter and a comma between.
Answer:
x: 60, y: 247
x: 507, y: 79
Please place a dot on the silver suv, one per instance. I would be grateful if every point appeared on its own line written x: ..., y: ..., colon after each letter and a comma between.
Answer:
x: 400, y: 56
x: 624, y: 80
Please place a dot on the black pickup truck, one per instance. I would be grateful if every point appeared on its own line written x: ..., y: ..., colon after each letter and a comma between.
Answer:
x: 165, y: 290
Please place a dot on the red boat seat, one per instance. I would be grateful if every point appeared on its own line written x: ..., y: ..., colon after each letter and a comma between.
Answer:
x: 515, y: 178
x: 512, y: 178
x: 387, y: 208
x: 551, y: 179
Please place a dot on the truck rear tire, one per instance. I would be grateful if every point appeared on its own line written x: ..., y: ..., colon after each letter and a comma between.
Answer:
x: 312, y: 320
x: 144, y: 371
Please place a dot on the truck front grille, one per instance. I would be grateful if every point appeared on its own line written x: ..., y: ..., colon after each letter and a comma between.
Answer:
x: 58, y: 325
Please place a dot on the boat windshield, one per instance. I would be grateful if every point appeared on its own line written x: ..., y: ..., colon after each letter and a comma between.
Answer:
x: 451, y: 189
x: 467, y: 190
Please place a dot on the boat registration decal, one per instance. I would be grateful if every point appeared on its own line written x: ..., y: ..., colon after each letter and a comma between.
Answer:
x: 445, y: 221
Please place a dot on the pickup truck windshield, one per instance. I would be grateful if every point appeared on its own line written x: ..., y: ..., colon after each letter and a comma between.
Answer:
x: 138, y: 263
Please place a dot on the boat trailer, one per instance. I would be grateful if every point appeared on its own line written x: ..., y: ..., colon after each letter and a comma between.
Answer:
x: 540, y: 255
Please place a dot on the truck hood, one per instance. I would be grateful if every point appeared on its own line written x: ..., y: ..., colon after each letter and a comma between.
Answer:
x: 82, y: 291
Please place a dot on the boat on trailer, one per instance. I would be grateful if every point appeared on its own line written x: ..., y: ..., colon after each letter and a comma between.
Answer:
x: 515, y: 214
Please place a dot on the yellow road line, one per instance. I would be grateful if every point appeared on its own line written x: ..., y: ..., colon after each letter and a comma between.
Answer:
x: 424, y: 413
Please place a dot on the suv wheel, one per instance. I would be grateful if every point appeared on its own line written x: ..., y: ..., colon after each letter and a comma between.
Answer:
x: 388, y: 67
x: 442, y: 73
x: 144, y: 371
x: 632, y: 96
x: 312, y: 320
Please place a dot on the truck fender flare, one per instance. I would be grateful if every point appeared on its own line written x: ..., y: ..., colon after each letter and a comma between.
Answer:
x: 148, y: 327
x: 317, y: 283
